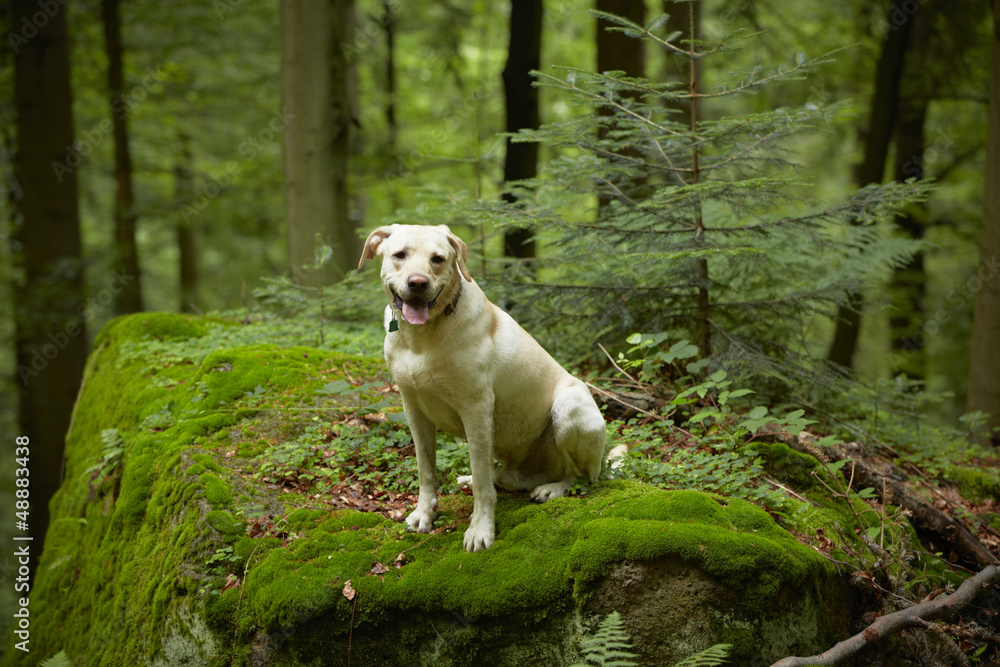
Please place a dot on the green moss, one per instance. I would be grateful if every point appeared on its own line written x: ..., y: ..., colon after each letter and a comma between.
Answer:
x: 130, y: 576
x: 216, y: 491
x: 788, y: 465
x: 207, y: 462
x: 976, y: 484
x: 224, y: 522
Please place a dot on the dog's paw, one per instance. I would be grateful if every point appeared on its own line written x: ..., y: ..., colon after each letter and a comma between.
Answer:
x: 480, y: 535
x: 465, y: 480
x: 549, y: 491
x: 421, y: 520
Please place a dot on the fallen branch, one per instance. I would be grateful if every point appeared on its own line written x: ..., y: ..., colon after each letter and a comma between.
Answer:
x: 927, y: 516
x: 890, y: 624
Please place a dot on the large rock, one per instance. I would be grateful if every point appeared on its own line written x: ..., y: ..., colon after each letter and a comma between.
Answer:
x: 153, y: 520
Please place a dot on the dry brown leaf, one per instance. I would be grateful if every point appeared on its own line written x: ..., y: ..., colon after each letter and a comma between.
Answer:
x: 349, y: 592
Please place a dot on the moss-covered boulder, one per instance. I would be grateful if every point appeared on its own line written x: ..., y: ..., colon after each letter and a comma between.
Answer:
x: 169, y: 547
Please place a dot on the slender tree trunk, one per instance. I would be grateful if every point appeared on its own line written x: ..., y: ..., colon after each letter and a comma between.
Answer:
x: 316, y: 95
x: 984, y: 374
x: 909, y: 284
x: 521, y: 161
x: 872, y: 168
x: 51, y: 339
x: 389, y: 25
x: 619, y: 52
x: 129, y: 298
x: 187, y: 234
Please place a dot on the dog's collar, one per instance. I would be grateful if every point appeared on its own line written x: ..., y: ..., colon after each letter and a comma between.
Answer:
x: 450, y: 308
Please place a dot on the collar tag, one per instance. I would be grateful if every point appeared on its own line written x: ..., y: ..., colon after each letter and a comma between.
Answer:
x: 393, y: 324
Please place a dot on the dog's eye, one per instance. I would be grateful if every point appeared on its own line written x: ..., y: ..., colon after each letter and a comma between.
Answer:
x: 437, y: 259
x: 400, y: 255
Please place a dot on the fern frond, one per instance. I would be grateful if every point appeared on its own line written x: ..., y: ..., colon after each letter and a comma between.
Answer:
x: 609, y: 645
x: 713, y: 655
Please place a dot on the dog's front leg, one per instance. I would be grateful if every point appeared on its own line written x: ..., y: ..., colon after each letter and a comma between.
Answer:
x: 479, y: 432
x: 425, y: 443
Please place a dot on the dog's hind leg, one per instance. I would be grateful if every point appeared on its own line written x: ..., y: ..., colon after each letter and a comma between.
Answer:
x: 579, y: 433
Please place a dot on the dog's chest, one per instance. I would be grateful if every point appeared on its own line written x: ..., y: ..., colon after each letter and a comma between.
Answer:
x: 437, y: 383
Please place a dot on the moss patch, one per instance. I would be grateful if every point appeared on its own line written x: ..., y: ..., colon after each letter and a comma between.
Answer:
x: 148, y: 576
x: 976, y: 484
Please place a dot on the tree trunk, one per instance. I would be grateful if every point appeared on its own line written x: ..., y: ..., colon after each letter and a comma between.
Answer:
x: 619, y: 52
x: 315, y: 92
x: 187, y: 248
x: 876, y: 138
x: 909, y: 284
x: 984, y: 373
x: 50, y: 326
x: 392, y: 152
x: 521, y: 161
x: 129, y: 297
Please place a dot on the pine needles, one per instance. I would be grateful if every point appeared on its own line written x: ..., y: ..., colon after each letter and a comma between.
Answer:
x: 705, y: 229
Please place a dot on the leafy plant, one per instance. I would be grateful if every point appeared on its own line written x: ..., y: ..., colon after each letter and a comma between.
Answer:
x: 376, y: 454
x: 713, y: 655
x: 112, y: 451
x: 698, y: 439
x: 60, y: 659
x: 608, y: 647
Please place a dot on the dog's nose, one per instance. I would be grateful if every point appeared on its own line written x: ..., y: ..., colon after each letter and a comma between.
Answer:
x: 417, y: 283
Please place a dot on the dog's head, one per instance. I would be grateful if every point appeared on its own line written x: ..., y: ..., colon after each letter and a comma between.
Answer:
x: 422, y: 267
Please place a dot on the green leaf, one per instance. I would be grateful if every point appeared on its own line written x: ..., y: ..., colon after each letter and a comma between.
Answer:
x: 704, y: 414
x: 757, y: 412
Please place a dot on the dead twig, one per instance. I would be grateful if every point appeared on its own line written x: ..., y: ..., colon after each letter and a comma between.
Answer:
x: 916, y: 616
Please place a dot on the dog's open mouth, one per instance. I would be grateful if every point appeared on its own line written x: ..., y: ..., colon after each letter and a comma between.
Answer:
x: 414, y: 309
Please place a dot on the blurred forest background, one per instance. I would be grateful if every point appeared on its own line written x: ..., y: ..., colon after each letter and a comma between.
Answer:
x: 183, y: 155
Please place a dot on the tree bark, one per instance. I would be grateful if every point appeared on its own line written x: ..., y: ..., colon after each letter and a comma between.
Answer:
x: 129, y: 298
x: 984, y: 373
x: 909, y: 283
x: 186, y: 232
x: 876, y: 137
x: 50, y: 328
x: 521, y: 159
x: 316, y: 95
x: 619, y: 52
x: 392, y: 152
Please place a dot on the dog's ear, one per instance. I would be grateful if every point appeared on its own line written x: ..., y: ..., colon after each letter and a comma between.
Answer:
x: 461, y: 253
x: 374, y: 240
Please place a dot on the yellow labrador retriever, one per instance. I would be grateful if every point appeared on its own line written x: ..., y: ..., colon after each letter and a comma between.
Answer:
x: 465, y: 367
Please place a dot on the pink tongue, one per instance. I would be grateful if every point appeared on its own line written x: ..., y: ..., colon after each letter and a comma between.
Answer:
x: 415, y: 314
